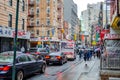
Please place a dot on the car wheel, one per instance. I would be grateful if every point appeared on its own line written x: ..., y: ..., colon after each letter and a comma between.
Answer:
x: 66, y: 60
x: 43, y: 68
x: 20, y: 75
x: 47, y: 63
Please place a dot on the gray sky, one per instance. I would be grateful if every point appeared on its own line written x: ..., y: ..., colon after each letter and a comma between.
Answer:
x: 82, y: 4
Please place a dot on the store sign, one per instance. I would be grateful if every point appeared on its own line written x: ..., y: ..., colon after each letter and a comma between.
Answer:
x: 4, y: 32
x: 115, y: 23
x: 8, y: 32
x: 40, y: 39
x: 112, y: 36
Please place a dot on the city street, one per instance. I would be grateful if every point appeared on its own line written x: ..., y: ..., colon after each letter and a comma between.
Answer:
x: 54, y: 72
x: 73, y: 70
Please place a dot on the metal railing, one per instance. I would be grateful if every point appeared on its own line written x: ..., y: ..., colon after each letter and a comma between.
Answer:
x: 110, y: 62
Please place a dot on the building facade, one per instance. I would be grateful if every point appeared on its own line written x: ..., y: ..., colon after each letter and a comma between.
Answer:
x: 70, y: 15
x: 7, y: 25
x: 45, y: 20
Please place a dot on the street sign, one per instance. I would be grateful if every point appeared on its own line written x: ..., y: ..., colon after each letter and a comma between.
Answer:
x: 94, y: 43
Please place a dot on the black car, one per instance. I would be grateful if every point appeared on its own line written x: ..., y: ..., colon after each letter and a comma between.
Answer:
x: 26, y: 64
x: 56, y: 57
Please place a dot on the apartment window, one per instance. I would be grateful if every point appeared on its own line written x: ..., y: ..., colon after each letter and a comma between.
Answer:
x: 10, y: 20
x: 10, y: 2
x: 23, y: 5
x: 23, y: 24
x: 37, y: 22
x: 48, y: 33
x: 48, y: 9
x: 37, y: 1
x: 48, y: 1
x: 37, y: 10
x: 37, y: 32
x: 48, y: 21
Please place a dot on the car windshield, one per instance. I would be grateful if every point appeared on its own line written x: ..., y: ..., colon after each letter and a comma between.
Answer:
x: 41, y: 50
x: 6, y: 57
x: 33, y: 50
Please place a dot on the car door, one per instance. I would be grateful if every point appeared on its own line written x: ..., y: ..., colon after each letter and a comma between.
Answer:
x: 34, y: 63
x: 40, y: 61
x: 25, y: 64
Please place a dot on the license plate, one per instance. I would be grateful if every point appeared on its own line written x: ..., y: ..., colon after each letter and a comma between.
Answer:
x: 69, y: 56
x: 53, y: 58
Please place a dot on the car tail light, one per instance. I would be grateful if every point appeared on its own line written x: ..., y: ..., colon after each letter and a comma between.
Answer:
x: 37, y: 52
x: 58, y: 57
x: 47, y: 57
x: 71, y: 53
x: 5, y: 68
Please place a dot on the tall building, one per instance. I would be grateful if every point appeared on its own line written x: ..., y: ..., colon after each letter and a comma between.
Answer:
x: 60, y: 18
x: 70, y: 15
x: 7, y: 25
x: 45, y: 19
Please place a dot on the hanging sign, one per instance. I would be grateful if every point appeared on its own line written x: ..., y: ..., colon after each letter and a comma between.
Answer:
x: 112, y: 36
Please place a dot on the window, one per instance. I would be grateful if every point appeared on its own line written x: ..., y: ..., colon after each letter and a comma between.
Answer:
x: 10, y: 20
x: 48, y: 9
x: 37, y: 10
x: 37, y: 22
x: 23, y: 5
x: 31, y: 58
x: 48, y: 21
x: 48, y: 33
x: 23, y: 58
x: 37, y: 1
x: 10, y: 2
x: 48, y: 1
x: 23, y: 24
x: 37, y: 32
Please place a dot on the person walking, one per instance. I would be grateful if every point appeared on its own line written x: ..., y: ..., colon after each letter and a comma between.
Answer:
x: 80, y: 53
x: 22, y: 49
x: 85, y: 57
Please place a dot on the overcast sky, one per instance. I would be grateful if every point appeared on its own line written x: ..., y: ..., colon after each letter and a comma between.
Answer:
x: 82, y: 4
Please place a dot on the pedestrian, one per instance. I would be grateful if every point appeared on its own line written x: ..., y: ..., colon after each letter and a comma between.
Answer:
x: 85, y: 57
x: 47, y: 48
x: 80, y: 53
x: 22, y: 49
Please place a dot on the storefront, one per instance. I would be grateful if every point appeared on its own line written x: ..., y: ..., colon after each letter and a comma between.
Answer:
x: 38, y: 42
x: 7, y: 39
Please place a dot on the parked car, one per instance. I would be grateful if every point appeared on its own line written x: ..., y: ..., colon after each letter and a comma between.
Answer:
x: 33, y: 50
x: 26, y: 64
x: 42, y: 51
x: 56, y: 57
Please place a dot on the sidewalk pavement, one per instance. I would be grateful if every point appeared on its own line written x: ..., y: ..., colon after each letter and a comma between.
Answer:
x: 91, y: 72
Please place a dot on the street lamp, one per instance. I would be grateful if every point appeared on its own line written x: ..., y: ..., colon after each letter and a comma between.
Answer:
x: 15, y: 40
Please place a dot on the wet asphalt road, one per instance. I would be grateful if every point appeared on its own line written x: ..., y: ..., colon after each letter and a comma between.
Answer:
x: 56, y: 72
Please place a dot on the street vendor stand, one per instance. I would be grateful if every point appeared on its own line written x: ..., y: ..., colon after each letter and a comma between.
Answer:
x: 110, y: 59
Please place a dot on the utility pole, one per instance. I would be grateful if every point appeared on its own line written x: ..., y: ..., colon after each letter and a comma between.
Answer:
x: 15, y: 40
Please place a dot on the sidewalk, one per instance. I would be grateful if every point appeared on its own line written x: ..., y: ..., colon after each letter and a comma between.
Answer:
x: 92, y: 71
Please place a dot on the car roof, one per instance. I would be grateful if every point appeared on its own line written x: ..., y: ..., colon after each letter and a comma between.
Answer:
x: 18, y: 53
x: 55, y: 53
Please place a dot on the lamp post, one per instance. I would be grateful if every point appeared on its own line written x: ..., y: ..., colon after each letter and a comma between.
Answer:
x: 15, y: 40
